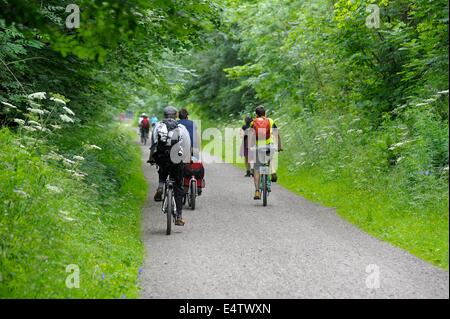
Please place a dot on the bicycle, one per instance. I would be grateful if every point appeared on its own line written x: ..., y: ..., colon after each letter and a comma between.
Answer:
x: 191, y: 193
x: 265, y: 181
x: 169, y: 206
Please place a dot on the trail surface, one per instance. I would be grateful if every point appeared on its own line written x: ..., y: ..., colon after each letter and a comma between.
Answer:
x: 232, y: 247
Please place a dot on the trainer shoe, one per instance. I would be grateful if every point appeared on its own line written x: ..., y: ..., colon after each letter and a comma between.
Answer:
x: 179, y: 222
x: 257, y: 195
x: 158, y: 194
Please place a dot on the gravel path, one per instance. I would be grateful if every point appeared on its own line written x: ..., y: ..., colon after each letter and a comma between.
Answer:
x: 233, y: 247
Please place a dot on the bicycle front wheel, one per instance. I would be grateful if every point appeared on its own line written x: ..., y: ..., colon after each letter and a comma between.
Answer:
x: 169, y: 211
x: 264, y: 190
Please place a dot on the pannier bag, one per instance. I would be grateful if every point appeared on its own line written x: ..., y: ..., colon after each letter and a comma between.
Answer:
x: 197, y: 170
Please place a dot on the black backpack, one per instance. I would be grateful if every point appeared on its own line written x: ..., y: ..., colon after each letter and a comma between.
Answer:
x: 165, y: 141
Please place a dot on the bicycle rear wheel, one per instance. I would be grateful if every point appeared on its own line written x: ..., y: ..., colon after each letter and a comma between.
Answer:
x: 264, y: 190
x: 193, y: 193
x: 169, y: 211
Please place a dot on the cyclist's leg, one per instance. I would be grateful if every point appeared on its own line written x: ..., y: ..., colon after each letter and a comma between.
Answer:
x: 176, y: 171
x: 162, y: 176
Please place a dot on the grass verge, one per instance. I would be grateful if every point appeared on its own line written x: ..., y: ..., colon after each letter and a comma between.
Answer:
x: 52, y: 217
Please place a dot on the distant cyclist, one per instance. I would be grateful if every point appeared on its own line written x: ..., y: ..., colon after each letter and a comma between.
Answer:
x: 153, y: 120
x: 144, y: 127
x: 263, y: 129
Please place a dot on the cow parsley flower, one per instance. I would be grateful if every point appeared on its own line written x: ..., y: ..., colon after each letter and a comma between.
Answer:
x: 94, y: 147
x: 68, y: 111
x: 9, y: 105
x: 37, y: 96
x: 33, y: 122
x: 35, y: 111
x: 54, y: 99
x: 30, y: 128
x: 19, y: 121
x: 54, y: 189
x: 68, y: 161
x: 21, y: 193
x: 65, y: 118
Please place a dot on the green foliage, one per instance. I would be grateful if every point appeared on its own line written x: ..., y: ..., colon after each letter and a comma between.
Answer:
x: 363, y: 112
x: 52, y: 217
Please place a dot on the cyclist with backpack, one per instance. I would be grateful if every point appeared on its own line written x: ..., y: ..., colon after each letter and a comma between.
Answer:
x: 260, y: 137
x: 170, y: 149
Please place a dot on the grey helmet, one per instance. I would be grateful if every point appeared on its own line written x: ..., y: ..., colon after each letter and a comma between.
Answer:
x: 170, y: 112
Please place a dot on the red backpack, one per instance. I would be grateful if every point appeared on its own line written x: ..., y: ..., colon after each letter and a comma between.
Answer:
x: 262, y: 128
x: 145, y: 123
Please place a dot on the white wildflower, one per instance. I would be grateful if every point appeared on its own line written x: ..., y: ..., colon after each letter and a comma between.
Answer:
x: 445, y: 168
x: 399, y: 159
x: 68, y: 111
x: 55, y: 99
x: 421, y: 104
x: 33, y: 123
x: 30, y: 128
x: 65, y: 118
x: 21, y: 193
x: 69, y: 218
x: 34, y: 104
x: 443, y: 92
x: 35, y: 111
x: 54, y: 156
x: 350, y: 131
x: 94, y: 147
x: 359, y: 131
x: 56, y: 127
x: 396, y: 145
x: 64, y: 212
x: 54, y: 189
x: 78, y: 158
x: 68, y: 161
x: 37, y: 96
x: 19, y: 121
x: 9, y: 105
x: 78, y: 175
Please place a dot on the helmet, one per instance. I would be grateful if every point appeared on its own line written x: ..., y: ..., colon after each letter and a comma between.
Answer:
x: 170, y: 111
x: 144, y: 114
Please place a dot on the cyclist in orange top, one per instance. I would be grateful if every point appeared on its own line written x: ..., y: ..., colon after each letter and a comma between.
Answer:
x: 262, y: 144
